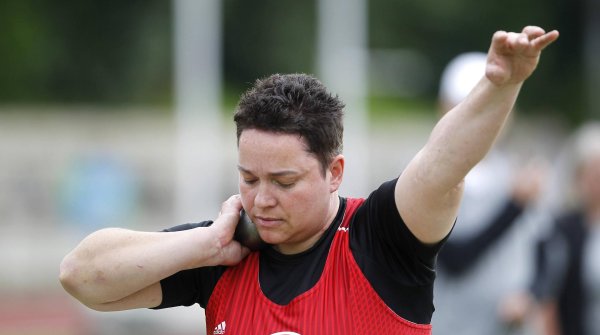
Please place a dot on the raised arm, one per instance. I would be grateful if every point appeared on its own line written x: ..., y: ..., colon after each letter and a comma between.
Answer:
x: 117, y: 269
x: 429, y: 190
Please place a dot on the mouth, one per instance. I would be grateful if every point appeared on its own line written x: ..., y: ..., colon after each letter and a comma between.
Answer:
x: 267, y: 222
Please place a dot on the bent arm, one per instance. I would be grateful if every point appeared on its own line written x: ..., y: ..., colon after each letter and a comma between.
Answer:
x: 429, y: 190
x: 112, y: 264
x: 115, y: 269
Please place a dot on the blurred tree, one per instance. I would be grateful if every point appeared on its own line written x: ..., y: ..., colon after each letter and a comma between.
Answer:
x: 120, y: 52
x: 441, y: 30
x: 265, y: 37
x: 25, y: 48
x: 85, y: 51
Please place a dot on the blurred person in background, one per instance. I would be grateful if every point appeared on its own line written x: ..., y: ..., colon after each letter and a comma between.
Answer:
x: 335, y: 265
x: 567, y: 282
x: 483, y: 266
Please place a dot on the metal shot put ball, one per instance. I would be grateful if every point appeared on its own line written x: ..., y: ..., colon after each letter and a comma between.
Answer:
x: 247, y: 234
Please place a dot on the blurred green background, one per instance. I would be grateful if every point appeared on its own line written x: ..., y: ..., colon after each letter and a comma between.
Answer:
x: 120, y: 52
x: 88, y: 131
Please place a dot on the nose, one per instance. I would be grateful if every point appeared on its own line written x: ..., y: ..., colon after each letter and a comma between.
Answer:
x: 264, y: 197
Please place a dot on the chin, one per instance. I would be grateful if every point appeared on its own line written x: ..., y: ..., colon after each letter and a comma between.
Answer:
x: 272, y: 238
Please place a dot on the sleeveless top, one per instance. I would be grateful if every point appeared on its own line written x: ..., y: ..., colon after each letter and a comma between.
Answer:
x: 341, y: 302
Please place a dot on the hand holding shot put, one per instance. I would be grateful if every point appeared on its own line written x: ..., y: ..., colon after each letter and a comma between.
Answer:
x: 333, y: 264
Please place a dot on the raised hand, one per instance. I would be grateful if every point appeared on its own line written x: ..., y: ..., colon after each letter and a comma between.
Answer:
x: 512, y: 57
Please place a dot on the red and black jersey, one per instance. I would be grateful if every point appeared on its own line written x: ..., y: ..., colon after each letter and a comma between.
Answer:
x: 377, y: 256
x: 341, y: 302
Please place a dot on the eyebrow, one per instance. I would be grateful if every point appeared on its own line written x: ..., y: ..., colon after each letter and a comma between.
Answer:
x: 272, y: 174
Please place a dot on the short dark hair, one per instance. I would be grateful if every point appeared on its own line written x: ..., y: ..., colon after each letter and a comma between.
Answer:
x: 294, y: 104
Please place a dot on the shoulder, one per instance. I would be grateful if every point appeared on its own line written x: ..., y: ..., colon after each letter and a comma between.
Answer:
x: 378, y: 229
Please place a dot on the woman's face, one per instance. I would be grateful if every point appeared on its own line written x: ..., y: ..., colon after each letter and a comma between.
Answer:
x: 284, y: 190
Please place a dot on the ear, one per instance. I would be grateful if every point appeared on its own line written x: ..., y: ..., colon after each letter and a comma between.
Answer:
x: 336, y: 169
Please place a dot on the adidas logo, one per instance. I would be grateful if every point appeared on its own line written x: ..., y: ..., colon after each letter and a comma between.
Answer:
x: 219, y: 329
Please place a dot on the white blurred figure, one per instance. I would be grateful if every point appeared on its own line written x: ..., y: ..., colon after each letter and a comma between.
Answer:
x: 485, y: 264
x: 567, y: 281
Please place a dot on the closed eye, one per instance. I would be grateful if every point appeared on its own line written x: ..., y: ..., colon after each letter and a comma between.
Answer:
x: 284, y: 184
x: 250, y: 181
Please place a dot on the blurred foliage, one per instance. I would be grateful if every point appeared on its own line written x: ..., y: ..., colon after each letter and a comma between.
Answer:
x: 85, y: 51
x: 120, y: 52
x: 265, y: 37
x: 441, y: 30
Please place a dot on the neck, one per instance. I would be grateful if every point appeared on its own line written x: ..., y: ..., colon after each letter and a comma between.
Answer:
x: 334, y: 206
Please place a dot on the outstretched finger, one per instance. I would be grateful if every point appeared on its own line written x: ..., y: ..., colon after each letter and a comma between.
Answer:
x: 543, y: 41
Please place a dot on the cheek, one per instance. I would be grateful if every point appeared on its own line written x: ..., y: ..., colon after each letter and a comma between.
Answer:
x: 309, y: 200
x: 246, y: 194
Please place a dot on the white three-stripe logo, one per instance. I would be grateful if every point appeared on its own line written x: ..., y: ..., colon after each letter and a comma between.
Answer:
x: 219, y: 329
